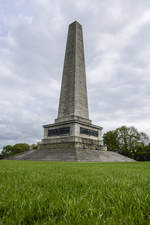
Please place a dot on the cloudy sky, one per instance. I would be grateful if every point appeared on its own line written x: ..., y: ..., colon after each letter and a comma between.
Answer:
x: 32, y: 43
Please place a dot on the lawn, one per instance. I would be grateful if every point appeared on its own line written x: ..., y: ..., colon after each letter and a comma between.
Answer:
x: 45, y: 193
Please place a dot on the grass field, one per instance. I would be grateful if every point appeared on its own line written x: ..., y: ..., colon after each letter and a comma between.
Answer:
x: 44, y: 193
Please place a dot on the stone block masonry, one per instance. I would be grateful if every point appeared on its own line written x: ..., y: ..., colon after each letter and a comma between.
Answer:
x: 72, y: 128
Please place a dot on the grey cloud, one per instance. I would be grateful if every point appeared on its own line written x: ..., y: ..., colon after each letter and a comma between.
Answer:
x: 31, y: 63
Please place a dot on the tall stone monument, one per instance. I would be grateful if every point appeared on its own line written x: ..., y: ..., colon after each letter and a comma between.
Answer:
x: 72, y: 128
x: 72, y: 137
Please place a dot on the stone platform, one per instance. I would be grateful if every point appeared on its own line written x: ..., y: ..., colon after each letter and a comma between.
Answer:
x: 71, y: 155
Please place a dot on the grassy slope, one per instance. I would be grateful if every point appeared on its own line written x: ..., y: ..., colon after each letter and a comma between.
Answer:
x: 74, y: 193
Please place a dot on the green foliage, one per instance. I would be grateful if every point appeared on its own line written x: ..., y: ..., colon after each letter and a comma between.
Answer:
x: 142, y: 153
x: 126, y: 140
x: 21, y: 147
x: 128, y: 137
x: 110, y: 139
x: 34, y: 146
x: 57, y: 193
x: 9, y: 150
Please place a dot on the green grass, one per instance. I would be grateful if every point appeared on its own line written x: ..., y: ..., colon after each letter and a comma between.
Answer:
x: 43, y: 193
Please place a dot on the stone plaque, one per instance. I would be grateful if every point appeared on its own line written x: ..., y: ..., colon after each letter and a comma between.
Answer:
x: 88, y: 132
x: 59, y: 131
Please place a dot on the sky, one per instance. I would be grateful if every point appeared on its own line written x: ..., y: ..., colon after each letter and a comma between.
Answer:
x: 32, y: 46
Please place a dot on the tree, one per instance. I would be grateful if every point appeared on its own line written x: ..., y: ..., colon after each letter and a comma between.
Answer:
x: 12, y: 150
x: 125, y: 140
x: 128, y: 137
x: 21, y: 147
x: 110, y: 139
x: 7, y: 150
x: 33, y: 147
x: 144, y: 138
x: 142, y: 153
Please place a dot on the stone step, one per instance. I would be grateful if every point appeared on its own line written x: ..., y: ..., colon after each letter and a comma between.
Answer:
x: 83, y: 155
x: 101, y: 156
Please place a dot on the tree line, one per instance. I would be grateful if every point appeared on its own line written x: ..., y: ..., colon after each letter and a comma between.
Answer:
x: 10, y: 150
x: 128, y: 141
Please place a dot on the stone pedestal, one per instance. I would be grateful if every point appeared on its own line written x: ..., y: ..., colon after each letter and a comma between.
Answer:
x: 73, y: 134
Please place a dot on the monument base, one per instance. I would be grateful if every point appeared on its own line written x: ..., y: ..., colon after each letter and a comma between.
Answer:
x: 71, y: 143
x: 73, y: 134
x: 71, y: 155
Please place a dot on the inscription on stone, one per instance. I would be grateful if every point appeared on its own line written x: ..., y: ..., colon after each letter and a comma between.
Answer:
x: 59, y: 131
x: 88, y: 132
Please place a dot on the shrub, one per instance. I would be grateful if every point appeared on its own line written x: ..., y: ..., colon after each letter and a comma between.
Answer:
x: 20, y: 147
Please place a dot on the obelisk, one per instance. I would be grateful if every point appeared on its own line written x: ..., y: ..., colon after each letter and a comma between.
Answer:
x: 72, y: 129
x: 73, y: 98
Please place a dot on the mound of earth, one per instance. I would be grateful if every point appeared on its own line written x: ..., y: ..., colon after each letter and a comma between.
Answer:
x: 71, y: 155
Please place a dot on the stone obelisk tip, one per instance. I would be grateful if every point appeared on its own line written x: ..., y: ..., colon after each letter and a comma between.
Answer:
x: 75, y: 22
